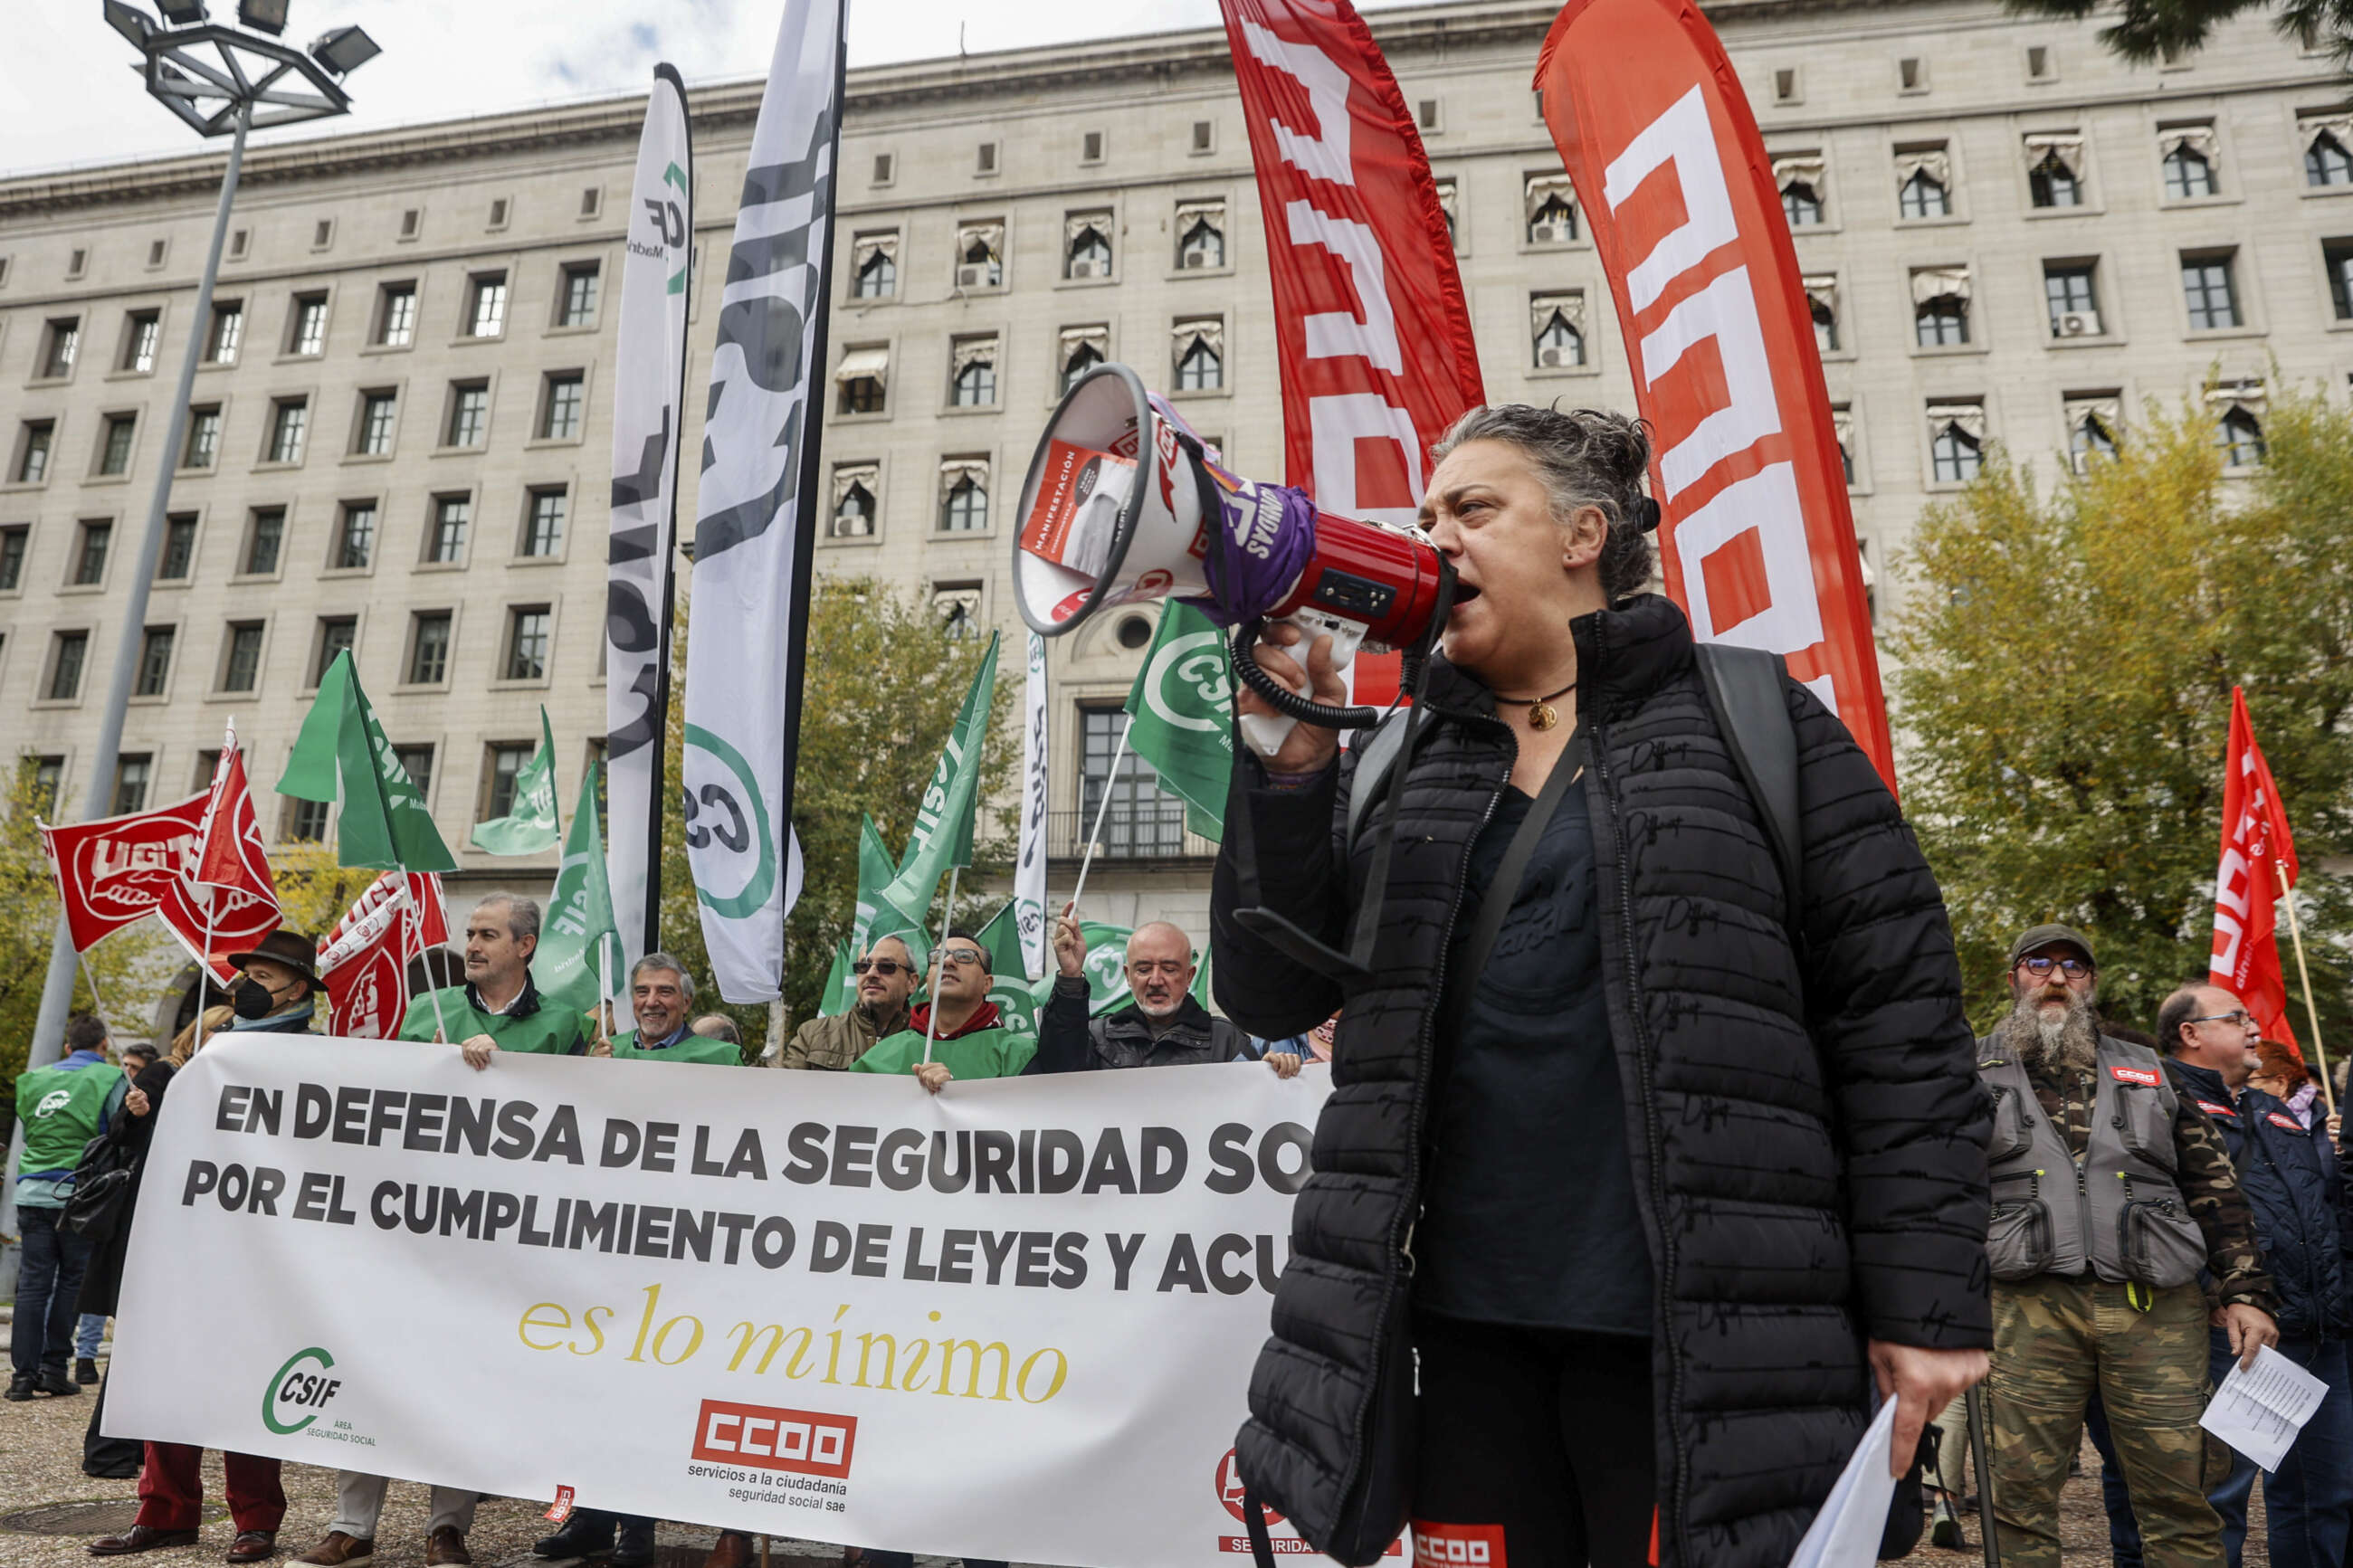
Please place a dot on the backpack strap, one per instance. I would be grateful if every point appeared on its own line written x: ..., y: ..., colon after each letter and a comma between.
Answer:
x: 1745, y: 689
x: 1374, y: 758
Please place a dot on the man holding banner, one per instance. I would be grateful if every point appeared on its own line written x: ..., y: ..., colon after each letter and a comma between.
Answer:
x: 497, y: 1008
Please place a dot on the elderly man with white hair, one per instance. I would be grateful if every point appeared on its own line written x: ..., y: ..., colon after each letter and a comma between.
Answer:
x: 1164, y: 1026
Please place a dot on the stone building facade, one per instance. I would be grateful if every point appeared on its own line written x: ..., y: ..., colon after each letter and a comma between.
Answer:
x: 401, y: 426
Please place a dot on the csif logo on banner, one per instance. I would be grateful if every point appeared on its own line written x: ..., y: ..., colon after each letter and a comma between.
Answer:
x: 666, y: 217
x: 299, y: 1391
x: 1198, y: 661
x: 725, y: 817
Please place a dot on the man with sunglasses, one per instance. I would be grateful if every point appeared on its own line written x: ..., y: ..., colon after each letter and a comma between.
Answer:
x: 1164, y: 1026
x: 886, y: 978
x: 2111, y: 1193
x: 967, y: 1039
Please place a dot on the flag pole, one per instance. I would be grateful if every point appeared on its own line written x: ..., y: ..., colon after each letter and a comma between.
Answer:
x: 940, y: 966
x: 1102, y: 811
x: 2296, y: 934
x: 90, y: 980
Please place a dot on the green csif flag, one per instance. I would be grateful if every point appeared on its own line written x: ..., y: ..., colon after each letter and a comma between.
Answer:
x: 342, y: 754
x: 877, y: 916
x: 580, y: 919
x: 1008, y: 982
x: 942, y: 836
x: 837, y: 995
x: 1182, y: 714
x: 530, y: 824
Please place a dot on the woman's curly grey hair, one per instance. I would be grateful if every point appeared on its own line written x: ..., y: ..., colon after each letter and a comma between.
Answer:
x: 1586, y: 456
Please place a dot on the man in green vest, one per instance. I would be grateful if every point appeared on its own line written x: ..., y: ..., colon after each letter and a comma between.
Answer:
x: 63, y: 1106
x: 960, y: 1027
x: 497, y: 1008
x: 661, y: 994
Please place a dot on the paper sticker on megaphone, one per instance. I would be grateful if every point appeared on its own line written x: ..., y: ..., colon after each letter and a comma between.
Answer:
x: 1124, y: 502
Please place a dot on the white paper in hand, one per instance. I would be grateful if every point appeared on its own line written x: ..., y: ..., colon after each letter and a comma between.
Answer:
x: 1847, y: 1533
x: 2259, y: 1412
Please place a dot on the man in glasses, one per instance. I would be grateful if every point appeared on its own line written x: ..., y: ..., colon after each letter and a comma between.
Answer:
x: 2111, y: 1192
x: 1164, y: 1026
x: 886, y: 978
x: 967, y: 1038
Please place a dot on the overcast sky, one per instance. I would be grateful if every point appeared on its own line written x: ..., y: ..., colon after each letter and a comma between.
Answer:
x: 72, y: 97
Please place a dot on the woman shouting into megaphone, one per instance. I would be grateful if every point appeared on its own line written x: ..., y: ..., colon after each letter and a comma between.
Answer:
x: 1656, y: 1141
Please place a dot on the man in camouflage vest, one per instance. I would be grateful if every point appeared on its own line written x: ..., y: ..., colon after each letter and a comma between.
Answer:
x: 2110, y: 1194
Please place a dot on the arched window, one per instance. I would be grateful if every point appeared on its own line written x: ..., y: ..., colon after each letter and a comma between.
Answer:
x: 1199, y: 368
x: 2188, y: 174
x: 2325, y: 162
x: 1825, y: 327
x: 1203, y: 245
x: 1553, y: 223
x: 975, y: 386
x: 1941, y: 322
x: 965, y: 509
x: 2240, y: 435
x: 2054, y: 185
x: 1957, y: 455
x: 1558, y: 344
x: 1090, y: 255
x: 853, y: 514
x: 1083, y: 358
x: 878, y: 279
x: 1924, y: 195
x: 1800, y: 205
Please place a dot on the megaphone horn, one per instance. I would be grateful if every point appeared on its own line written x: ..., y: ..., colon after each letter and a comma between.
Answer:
x: 1124, y: 502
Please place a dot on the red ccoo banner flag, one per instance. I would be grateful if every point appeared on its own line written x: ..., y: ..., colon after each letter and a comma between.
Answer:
x: 1759, y: 545
x: 1373, y: 338
x: 2258, y: 860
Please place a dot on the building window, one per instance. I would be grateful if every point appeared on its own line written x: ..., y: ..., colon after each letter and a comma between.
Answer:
x: 1940, y: 306
x: 1801, y: 205
x: 60, y: 343
x: 486, y: 312
x: 2189, y: 161
x: 1081, y: 348
x: 241, y: 666
x: 958, y: 605
x: 446, y: 544
x: 980, y: 255
x: 527, y: 641
x: 288, y: 419
x: 2093, y: 420
x: 395, y: 315
x: 1550, y: 204
x: 90, y: 553
x: 1199, y: 349
x: 155, y: 662
x: 412, y: 222
x: 1141, y: 819
x: 576, y: 305
x: 2054, y: 171
x: 506, y: 761
x: 377, y: 410
x: 1842, y: 426
x: 854, y: 513
x: 1086, y: 247
x: 2074, y: 303
x: 874, y: 266
x: 863, y: 379
x: 1956, y: 443
x: 227, y: 331
x: 355, y: 536
x: 885, y: 167
x: 1200, y: 235
x: 2337, y: 255
x: 2325, y: 162
x: 65, y: 665
x: 1801, y: 178
x: 336, y: 635
x: 307, y: 331
x: 592, y: 201
x: 1924, y: 184
x: 1444, y: 190
x: 14, y: 543
x: 179, y: 556
x: 560, y: 416
x: 204, y: 437
x: 428, y: 648
x: 542, y: 529
x: 964, y: 495
x: 305, y: 821
x: 265, y: 536
x: 2210, y: 293
x: 1556, y: 322
x: 1821, y: 302
x: 131, y: 773
x: 418, y: 763
x: 146, y: 329
x: 469, y: 414
x: 2240, y: 435
x: 984, y: 159
x: 1203, y: 136
x: 972, y: 373
x: 114, y: 450
x: 33, y: 451
x: 48, y: 784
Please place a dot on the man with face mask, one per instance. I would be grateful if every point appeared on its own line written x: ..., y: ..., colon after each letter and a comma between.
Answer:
x: 886, y: 978
x: 1165, y: 1026
x: 2111, y: 1192
x: 278, y: 986
x: 497, y: 1008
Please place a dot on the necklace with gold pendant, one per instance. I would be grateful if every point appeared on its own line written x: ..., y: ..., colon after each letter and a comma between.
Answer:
x: 1542, y: 714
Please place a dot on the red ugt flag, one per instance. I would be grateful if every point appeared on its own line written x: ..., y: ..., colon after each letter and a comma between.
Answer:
x: 365, y: 960
x: 113, y: 872
x: 2257, y: 851
x: 226, y: 900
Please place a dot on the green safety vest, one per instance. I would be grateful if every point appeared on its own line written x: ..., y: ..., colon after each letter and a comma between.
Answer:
x: 694, y: 1048
x: 553, y: 1031
x: 985, y: 1053
x: 62, y: 1108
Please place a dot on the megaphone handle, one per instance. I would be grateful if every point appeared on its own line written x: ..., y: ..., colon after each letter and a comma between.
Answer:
x: 1281, y: 698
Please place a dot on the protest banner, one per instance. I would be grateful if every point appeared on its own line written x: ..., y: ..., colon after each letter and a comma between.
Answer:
x: 1014, y: 1319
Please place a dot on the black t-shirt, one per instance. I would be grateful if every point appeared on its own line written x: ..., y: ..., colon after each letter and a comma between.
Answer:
x: 1529, y: 1217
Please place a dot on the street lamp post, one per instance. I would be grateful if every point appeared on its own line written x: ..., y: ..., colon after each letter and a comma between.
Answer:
x: 222, y: 81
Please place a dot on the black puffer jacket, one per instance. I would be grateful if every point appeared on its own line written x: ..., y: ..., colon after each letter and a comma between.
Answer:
x: 1070, y: 1041
x: 1807, y: 1136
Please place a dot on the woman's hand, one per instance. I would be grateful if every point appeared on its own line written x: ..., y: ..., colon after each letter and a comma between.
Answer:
x: 136, y: 1102
x: 1309, y: 748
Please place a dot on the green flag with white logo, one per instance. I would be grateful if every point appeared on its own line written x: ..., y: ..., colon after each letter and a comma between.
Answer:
x: 837, y: 994
x: 341, y: 754
x: 877, y: 916
x: 942, y: 836
x: 529, y: 825
x: 1182, y: 709
x: 580, y: 917
x: 1008, y: 984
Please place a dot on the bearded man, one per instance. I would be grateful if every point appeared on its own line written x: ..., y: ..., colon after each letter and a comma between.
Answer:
x: 2110, y: 1192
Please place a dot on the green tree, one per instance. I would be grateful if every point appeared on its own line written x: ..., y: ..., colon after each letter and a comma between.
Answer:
x: 880, y: 687
x: 2064, y: 686
x: 2144, y: 31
